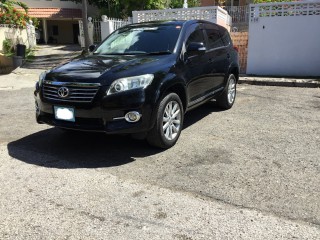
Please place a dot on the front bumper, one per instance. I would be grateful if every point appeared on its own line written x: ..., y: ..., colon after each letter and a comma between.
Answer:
x: 104, y: 114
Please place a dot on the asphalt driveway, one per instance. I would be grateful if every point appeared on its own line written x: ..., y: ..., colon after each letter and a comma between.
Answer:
x: 251, y: 172
x: 262, y: 156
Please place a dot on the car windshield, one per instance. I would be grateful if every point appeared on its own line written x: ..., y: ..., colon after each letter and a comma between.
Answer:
x: 142, y: 39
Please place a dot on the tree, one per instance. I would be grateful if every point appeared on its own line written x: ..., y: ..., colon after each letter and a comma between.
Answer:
x: 179, y: 3
x: 12, y: 16
x: 85, y: 25
x: 124, y: 8
x: 8, y: 5
x: 133, y: 5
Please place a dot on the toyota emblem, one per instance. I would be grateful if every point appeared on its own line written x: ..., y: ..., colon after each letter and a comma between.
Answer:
x: 63, y: 92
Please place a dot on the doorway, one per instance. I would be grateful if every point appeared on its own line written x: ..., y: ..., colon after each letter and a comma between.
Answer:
x: 76, y: 32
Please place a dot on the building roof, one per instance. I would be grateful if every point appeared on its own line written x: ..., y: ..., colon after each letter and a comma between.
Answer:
x: 55, y: 13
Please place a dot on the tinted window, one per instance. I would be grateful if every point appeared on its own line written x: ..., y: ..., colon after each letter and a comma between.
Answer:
x: 226, y: 38
x: 214, y: 39
x: 141, y: 39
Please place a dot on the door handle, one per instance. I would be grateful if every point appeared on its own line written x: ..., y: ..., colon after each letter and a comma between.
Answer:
x: 211, y: 60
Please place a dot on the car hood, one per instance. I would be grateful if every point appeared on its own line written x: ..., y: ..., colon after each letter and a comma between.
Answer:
x: 105, y: 69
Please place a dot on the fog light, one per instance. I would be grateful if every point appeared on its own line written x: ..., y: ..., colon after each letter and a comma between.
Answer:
x: 132, y: 117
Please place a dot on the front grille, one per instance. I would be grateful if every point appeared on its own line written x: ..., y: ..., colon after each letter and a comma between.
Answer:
x: 77, y: 92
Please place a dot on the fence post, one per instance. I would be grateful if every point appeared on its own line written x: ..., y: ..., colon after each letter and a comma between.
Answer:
x: 31, y: 34
x: 90, y: 30
x: 106, y: 27
x: 81, y: 34
x: 134, y: 17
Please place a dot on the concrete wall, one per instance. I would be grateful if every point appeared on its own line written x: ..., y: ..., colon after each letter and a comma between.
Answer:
x: 213, y: 14
x: 285, y: 45
x: 18, y: 36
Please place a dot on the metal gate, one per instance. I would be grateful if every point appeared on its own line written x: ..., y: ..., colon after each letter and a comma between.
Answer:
x: 96, y: 31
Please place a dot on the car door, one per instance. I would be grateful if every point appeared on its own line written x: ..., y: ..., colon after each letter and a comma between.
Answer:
x: 195, y: 66
x: 218, y: 55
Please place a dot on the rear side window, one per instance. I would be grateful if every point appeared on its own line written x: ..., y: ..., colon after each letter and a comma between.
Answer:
x: 226, y: 38
x: 214, y: 39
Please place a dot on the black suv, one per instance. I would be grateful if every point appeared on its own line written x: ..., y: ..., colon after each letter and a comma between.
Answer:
x: 141, y: 80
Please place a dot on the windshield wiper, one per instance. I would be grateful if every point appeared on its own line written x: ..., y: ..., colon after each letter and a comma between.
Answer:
x: 159, y: 53
x: 136, y: 53
x: 113, y: 53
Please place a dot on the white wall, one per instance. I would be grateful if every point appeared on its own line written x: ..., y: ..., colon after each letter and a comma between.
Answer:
x: 15, y: 34
x: 213, y: 14
x: 285, y: 45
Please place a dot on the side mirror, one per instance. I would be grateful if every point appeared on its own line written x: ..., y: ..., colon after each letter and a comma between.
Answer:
x: 92, y: 48
x: 196, y: 48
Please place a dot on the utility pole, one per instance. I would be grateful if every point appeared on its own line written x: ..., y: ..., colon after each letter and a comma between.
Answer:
x: 85, y: 24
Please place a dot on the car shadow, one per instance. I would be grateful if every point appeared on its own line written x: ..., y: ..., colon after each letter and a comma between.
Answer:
x: 199, y: 113
x: 54, y: 148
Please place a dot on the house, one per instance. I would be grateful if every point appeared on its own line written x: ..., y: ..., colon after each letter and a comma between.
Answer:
x: 58, y: 19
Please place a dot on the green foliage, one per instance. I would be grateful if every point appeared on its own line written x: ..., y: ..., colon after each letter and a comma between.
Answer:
x: 30, y: 54
x: 35, y: 21
x: 8, y: 49
x: 179, y: 3
x: 11, y: 16
x: 124, y: 8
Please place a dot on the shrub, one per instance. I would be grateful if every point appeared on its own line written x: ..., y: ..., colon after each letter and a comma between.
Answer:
x: 13, y: 17
x: 8, y: 49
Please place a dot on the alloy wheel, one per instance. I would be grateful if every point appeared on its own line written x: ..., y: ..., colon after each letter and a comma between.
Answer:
x: 171, y: 120
x: 231, y: 90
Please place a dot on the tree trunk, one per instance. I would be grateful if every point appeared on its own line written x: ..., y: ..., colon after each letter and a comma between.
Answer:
x: 85, y: 24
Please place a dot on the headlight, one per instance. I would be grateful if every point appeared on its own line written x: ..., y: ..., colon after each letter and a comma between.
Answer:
x: 124, y: 84
x: 42, y: 77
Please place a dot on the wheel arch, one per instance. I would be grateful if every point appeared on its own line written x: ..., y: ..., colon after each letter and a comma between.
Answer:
x: 174, y: 85
x: 235, y: 71
x: 178, y: 89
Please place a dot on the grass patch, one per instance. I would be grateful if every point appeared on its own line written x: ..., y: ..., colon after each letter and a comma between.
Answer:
x: 9, y: 54
x: 30, y: 54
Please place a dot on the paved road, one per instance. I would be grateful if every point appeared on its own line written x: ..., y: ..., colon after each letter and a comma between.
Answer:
x: 248, y: 173
x: 251, y: 172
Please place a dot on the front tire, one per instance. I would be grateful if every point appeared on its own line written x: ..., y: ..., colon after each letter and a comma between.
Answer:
x: 169, y: 121
x: 228, y: 97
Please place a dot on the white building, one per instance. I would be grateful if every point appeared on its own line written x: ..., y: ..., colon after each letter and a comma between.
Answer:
x: 58, y: 19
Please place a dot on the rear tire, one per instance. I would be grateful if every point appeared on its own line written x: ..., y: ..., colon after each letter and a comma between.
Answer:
x: 228, y: 97
x: 169, y: 121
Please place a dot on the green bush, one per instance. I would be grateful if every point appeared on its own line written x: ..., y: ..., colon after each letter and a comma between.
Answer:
x: 8, y: 49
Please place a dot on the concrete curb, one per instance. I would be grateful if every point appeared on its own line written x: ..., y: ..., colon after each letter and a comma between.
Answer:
x: 282, y: 82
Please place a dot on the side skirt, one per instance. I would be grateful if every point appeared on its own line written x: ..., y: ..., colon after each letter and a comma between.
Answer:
x: 201, y: 99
